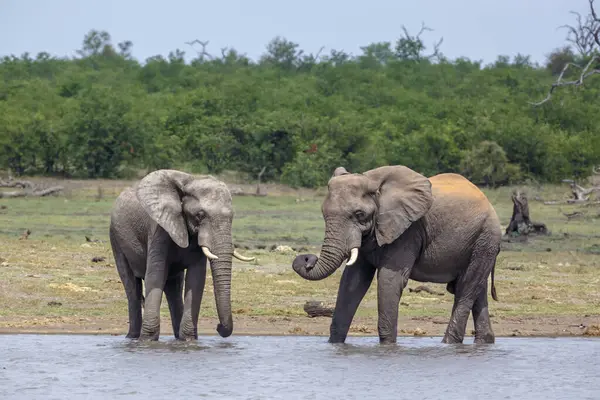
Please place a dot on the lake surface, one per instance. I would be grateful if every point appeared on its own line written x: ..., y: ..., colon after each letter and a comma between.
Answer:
x: 296, y: 367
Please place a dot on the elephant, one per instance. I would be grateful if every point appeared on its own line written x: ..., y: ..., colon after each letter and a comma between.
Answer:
x: 162, y: 231
x: 394, y: 221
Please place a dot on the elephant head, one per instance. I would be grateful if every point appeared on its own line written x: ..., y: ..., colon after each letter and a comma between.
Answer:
x: 381, y: 203
x: 189, y: 207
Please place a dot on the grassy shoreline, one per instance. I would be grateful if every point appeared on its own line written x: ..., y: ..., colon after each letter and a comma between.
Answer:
x: 549, y: 286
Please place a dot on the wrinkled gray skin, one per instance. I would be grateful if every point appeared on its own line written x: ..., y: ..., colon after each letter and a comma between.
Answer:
x: 405, y: 226
x: 157, y: 229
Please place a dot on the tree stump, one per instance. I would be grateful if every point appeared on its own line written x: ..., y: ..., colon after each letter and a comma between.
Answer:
x: 520, y: 223
x: 317, y: 309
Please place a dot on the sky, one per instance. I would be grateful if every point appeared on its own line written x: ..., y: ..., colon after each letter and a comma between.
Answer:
x: 476, y: 29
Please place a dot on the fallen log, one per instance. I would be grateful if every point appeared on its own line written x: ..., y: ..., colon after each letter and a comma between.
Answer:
x: 573, y: 215
x: 12, y: 183
x: 317, y: 309
x: 423, y: 288
x: 31, y: 193
x: 579, y: 193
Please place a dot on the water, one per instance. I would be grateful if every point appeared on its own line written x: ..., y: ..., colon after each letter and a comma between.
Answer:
x: 296, y: 367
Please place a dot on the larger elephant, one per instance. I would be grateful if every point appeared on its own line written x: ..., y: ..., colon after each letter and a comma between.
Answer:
x: 168, y: 223
x: 401, y: 225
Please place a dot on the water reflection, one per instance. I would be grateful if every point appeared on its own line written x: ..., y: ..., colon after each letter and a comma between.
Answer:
x: 422, y: 347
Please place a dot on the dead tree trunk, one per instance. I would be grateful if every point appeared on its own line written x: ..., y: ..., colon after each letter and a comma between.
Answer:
x: 580, y: 194
x: 520, y: 223
x: 260, y: 174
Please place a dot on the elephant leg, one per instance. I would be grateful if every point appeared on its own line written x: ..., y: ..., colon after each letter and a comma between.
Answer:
x: 356, y: 280
x: 133, y: 290
x: 450, y: 287
x: 481, y: 318
x: 468, y: 288
x: 173, y: 293
x: 390, y: 284
x: 195, y: 279
x: 155, y: 281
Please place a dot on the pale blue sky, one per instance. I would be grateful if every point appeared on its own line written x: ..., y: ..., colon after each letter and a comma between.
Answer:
x: 478, y: 29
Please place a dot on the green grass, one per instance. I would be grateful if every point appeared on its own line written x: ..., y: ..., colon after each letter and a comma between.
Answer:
x: 274, y: 220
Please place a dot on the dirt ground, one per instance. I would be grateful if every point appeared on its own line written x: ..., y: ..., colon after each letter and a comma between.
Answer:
x: 554, y: 326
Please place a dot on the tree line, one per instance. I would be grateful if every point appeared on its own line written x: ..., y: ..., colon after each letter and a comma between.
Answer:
x: 296, y: 116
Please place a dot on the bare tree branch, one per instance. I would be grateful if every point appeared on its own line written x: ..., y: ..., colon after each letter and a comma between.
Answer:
x: 202, y: 53
x: 595, y: 32
x: 417, y: 39
x: 436, y: 46
x: 585, y: 73
x: 319, y: 52
x: 423, y: 29
x: 583, y: 35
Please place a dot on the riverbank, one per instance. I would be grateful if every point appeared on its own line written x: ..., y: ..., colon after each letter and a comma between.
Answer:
x: 534, y: 326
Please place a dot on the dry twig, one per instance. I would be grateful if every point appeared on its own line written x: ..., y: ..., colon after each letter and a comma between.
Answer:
x: 585, y: 73
x: 582, y: 38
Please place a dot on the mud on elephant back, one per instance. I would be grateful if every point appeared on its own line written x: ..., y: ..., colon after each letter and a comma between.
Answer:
x: 162, y: 231
x: 401, y: 225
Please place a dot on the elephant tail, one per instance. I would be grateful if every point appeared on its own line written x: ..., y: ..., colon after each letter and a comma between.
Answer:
x: 494, y: 294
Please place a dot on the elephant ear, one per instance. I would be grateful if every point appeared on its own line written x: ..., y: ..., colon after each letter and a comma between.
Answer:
x: 404, y: 196
x: 340, y: 171
x: 160, y: 194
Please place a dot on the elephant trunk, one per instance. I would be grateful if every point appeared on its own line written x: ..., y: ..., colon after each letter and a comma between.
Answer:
x: 333, y: 253
x: 221, y: 274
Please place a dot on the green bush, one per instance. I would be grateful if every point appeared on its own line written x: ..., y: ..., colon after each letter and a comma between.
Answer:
x: 103, y: 114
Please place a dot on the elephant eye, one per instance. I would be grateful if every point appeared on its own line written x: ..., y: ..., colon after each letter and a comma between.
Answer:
x: 200, y: 215
x: 359, y: 214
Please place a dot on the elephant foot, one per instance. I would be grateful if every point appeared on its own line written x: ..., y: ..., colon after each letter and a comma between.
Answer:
x: 449, y: 339
x: 150, y: 334
x: 336, y: 339
x: 148, y: 338
x: 187, y: 336
x: 133, y: 335
x: 384, y: 341
x: 487, y: 338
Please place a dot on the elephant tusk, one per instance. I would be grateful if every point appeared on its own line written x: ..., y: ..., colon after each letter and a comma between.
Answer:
x: 241, y: 257
x: 353, y: 256
x: 208, y: 254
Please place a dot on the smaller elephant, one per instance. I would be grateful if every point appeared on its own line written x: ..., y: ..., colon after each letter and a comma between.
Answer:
x: 162, y: 231
x: 401, y: 225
